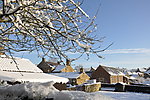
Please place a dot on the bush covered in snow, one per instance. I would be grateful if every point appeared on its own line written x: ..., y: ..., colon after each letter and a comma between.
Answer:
x: 41, y: 91
x: 27, y: 90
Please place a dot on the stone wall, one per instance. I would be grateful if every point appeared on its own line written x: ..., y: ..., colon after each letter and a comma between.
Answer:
x: 86, y: 87
x: 92, y: 87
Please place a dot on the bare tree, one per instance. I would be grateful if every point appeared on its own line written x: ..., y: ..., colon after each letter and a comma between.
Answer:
x: 53, y: 28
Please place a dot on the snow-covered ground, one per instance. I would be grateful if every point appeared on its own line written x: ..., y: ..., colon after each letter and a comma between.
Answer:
x: 126, y: 95
x: 41, y: 91
x: 108, y: 88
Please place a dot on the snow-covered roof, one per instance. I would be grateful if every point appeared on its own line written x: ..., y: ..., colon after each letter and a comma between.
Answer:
x: 8, y: 64
x: 142, y: 69
x: 59, y: 68
x: 136, y: 74
x: 125, y: 71
x: 132, y: 77
x: 67, y: 74
x: 148, y: 71
x: 129, y: 73
x: 113, y: 71
x: 30, y: 77
x: 86, y: 69
x: 52, y: 63
x: 89, y: 69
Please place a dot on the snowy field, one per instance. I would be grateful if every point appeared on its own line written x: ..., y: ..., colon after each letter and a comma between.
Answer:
x: 126, y: 95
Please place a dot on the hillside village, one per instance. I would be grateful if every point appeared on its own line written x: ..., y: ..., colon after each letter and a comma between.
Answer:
x: 103, y: 74
x: 14, y: 70
x: 20, y: 78
x: 59, y: 32
x: 19, y: 70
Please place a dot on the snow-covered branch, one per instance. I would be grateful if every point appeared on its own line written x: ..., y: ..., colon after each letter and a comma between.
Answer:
x: 53, y: 27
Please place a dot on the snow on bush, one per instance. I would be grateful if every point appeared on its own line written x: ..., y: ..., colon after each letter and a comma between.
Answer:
x: 41, y: 91
x: 27, y: 90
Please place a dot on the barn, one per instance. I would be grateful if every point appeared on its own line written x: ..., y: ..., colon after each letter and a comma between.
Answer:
x: 109, y: 75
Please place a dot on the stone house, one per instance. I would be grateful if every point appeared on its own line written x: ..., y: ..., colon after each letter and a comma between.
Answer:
x: 64, y: 68
x: 47, y: 66
x: 147, y: 73
x: 89, y: 71
x: 109, y: 75
x: 75, y: 78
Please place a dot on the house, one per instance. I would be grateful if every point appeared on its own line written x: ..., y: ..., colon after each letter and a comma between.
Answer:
x: 147, y: 73
x: 89, y: 71
x: 64, y: 68
x: 135, y: 76
x: 23, y: 70
x: 142, y: 70
x: 47, y: 66
x: 75, y: 78
x: 109, y: 75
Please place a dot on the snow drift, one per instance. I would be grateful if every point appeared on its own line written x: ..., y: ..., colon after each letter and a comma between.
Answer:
x: 42, y: 91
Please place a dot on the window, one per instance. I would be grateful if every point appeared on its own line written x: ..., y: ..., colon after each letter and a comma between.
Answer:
x: 101, y: 80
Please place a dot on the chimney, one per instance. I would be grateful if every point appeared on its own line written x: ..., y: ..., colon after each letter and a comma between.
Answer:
x: 68, y: 62
x: 58, y: 62
x: 43, y: 60
x: 81, y: 70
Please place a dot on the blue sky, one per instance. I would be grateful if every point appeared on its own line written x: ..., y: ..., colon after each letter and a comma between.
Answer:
x: 124, y: 22
x: 127, y: 24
